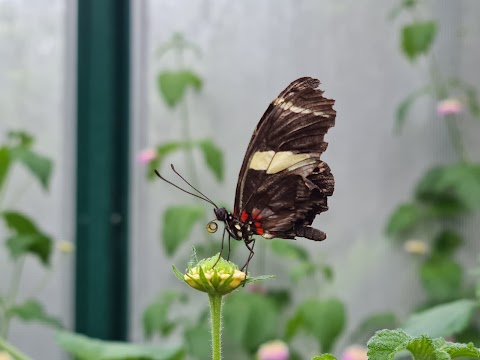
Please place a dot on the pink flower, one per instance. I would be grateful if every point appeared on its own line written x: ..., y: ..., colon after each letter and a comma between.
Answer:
x: 449, y: 107
x: 147, y: 155
x: 355, y: 352
x: 273, y: 350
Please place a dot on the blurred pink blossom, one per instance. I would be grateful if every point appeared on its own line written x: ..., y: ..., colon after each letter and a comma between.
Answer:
x: 273, y: 350
x: 355, y: 352
x: 449, y: 107
x: 147, y: 155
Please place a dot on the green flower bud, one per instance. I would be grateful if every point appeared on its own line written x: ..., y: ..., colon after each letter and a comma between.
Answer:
x: 215, y: 276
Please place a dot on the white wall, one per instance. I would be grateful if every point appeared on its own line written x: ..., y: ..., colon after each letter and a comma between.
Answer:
x: 36, y: 83
x: 252, y: 50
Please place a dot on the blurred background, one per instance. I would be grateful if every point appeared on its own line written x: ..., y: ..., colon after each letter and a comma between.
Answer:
x: 94, y: 95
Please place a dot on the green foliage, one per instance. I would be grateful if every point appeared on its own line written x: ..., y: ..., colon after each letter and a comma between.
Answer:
x: 4, y: 164
x: 156, y: 315
x: 33, y: 311
x: 178, y: 222
x: 442, y: 320
x: 459, y: 183
x: 197, y: 340
x: 162, y: 151
x: 322, y: 319
x: 26, y: 237
x: 289, y: 250
x: 446, y: 243
x: 385, y: 344
x: 326, y: 356
x: 417, y: 38
x: 250, y: 320
x: 403, y: 108
x: 404, y: 218
x: 213, y: 157
x: 441, y: 278
x: 172, y: 85
x: 86, y: 348
x: 402, y: 6
x: 370, y: 325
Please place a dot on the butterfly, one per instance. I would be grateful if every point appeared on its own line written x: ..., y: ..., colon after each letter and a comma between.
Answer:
x: 283, y: 184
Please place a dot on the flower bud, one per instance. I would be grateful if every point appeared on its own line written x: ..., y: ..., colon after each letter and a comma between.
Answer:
x: 449, y: 107
x: 355, y: 352
x: 214, y: 275
x: 5, y: 356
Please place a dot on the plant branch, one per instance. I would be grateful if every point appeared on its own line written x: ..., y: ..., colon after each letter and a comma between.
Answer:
x: 13, y: 351
x: 216, y: 323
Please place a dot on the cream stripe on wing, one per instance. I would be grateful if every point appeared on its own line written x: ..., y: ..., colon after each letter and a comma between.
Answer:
x: 273, y: 163
x: 297, y: 109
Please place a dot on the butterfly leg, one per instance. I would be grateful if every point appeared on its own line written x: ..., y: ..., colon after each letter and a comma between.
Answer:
x: 229, y: 246
x: 250, y: 256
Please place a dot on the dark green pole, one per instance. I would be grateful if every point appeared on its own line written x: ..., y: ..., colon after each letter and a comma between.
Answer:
x: 101, y: 297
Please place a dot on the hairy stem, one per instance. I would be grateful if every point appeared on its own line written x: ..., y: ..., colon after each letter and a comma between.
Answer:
x: 216, y: 322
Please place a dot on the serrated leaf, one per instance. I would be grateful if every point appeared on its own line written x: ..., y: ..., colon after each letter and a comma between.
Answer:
x: 404, y: 219
x: 33, y: 311
x: 456, y: 350
x: 155, y: 317
x: 172, y: 85
x: 213, y: 157
x: 371, y: 324
x: 442, y: 278
x: 250, y: 320
x: 325, y: 357
x: 403, y: 108
x: 417, y: 38
x: 4, y: 164
x: 289, y: 250
x: 386, y: 343
x: 85, y: 348
x: 178, y: 222
x: 322, y: 319
x: 39, y: 166
x: 442, y: 320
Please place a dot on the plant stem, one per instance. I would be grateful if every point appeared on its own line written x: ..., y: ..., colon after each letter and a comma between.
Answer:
x: 12, y: 295
x: 13, y: 351
x: 216, y: 322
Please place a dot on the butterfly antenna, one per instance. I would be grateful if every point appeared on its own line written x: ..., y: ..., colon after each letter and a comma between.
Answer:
x: 185, y: 191
x: 193, y: 187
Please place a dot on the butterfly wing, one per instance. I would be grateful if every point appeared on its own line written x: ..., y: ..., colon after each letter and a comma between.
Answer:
x: 283, y: 184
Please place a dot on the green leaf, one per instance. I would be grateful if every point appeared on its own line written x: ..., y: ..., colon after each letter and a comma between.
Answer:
x: 250, y: 320
x: 155, y: 316
x: 33, y: 311
x: 404, y: 219
x: 289, y: 250
x: 21, y: 138
x: 162, y: 151
x: 324, y: 320
x: 441, y: 278
x: 302, y: 271
x: 386, y: 343
x: 281, y: 297
x: 442, y: 320
x: 461, y: 350
x: 197, y: 340
x: 4, y: 164
x: 213, y: 157
x: 26, y: 238
x: 172, y: 85
x: 403, y: 108
x: 39, y: 165
x: 86, y: 348
x: 36, y: 244
x: 371, y: 324
x: 404, y: 5
x: 457, y: 182
x: 178, y: 222
x: 19, y: 223
x: 447, y: 242
x: 326, y: 356
x: 417, y: 38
